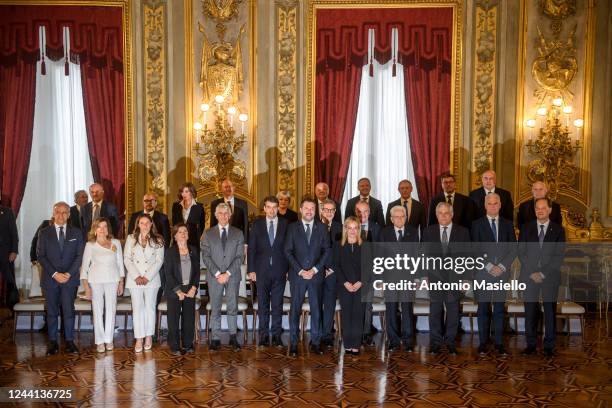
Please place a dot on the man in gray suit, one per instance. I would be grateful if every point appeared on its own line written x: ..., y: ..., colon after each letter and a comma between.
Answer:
x: 222, y: 252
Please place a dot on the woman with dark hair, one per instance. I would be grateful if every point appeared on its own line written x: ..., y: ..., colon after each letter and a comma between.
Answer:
x: 182, y: 269
x: 102, y: 274
x: 347, y: 266
x: 189, y: 212
x: 143, y: 258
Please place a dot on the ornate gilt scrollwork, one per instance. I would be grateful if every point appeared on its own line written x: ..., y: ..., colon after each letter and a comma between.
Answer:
x: 154, y: 21
x: 286, y: 94
x: 483, y: 113
x: 221, y: 11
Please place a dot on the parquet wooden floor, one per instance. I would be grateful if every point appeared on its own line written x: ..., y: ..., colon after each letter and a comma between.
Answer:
x: 580, y: 375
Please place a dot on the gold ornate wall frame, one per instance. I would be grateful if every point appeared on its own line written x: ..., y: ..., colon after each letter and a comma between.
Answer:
x: 456, y: 137
x: 191, y: 83
x: 128, y: 111
x: 155, y: 127
x: 522, y: 188
x: 484, y: 89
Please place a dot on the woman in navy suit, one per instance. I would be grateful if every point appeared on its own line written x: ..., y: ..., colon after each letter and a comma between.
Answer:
x: 189, y: 212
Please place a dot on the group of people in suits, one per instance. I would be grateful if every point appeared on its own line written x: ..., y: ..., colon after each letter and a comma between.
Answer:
x: 316, y: 252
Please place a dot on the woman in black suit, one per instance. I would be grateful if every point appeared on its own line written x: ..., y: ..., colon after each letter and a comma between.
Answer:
x: 182, y: 269
x: 347, y: 266
x: 284, y: 200
x: 189, y: 212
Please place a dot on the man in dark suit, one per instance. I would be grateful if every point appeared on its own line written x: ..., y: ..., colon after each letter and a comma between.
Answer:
x: 498, y: 242
x: 307, y: 249
x: 160, y: 220
x: 60, y: 251
x: 329, y: 292
x: 370, y: 232
x: 526, y: 211
x: 399, y: 231
x: 322, y: 193
x: 444, y: 239
x: 268, y: 267
x: 376, y: 211
x: 9, y: 244
x: 97, y: 208
x: 240, y: 209
x: 463, y: 207
x: 76, y: 211
x: 414, y: 209
x: 489, y: 186
x: 541, y: 251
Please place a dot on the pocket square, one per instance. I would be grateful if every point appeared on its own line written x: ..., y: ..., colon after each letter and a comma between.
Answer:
x: 73, y: 239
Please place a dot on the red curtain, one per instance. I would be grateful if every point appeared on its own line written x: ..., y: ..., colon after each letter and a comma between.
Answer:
x: 96, y: 43
x: 17, y: 96
x: 424, y: 49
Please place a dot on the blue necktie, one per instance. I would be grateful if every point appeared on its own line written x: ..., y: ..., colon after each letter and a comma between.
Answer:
x: 223, y: 237
x: 494, y: 229
x: 308, y: 233
x: 271, y: 233
x: 62, y: 238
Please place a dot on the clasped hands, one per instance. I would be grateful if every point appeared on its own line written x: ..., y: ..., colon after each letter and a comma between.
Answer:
x: 222, y: 278
x: 61, y: 277
x: 496, y: 271
x: 191, y: 293
x: 536, y: 277
x: 307, y: 274
x: 353, y: 287
x: 141, y: 281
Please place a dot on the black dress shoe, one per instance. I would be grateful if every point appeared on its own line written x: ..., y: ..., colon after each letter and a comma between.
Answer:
x: 529, y: 351
x: 71, y: 348
x: 549, y: 352
x: 43, y: 329
x: 316, y: 349
x: 368, y: 340
x: 501, y: 350
x: 392, y: 347
x: 329, y: 343
x: 234, y: 342
x: 434, y: 350
x: 52, y: 348
x: 482, y: 349
x: 214, y: 344
x: 176, y: 353
x: 452, y: 351
x: 264, y: 340
x: 408, y: 347
x: 293, y: 351
x: 277, y: 341
x: 189, y: 350
x: 373, y: 329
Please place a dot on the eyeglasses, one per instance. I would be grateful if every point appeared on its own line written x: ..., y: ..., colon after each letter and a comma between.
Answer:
x: 328, y: 209
x: 148, y: 201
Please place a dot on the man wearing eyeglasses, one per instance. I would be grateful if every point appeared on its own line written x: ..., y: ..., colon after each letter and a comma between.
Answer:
x: 149, y: 204
x: 322, y: 193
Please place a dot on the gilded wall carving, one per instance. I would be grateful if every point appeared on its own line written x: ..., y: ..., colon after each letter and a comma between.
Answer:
x: 155, y: 117
x: 286, y: 93
x: 484, y: 89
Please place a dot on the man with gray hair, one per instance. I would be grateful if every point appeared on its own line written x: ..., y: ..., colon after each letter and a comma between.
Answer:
x: 99, y: 207
x: 77, y: 210
x: 60, y: 251
x: 222, y: 252
x: 441, y: 239
x: 415, y: 211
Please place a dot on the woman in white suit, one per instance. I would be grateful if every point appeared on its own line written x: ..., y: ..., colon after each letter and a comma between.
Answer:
x: 144, y: 257
x: 102, y: 274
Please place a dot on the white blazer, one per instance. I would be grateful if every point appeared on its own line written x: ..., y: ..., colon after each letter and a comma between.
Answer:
x: 141, y: 261
x: 102, y: 265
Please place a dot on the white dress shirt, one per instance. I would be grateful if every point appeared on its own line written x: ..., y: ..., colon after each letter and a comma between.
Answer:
x: 187, y: 210
x: 102, y: 265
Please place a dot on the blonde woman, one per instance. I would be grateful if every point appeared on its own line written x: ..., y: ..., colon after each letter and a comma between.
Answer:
x: 143, y: 258
x: 102, y: 274
x: 347, y: 266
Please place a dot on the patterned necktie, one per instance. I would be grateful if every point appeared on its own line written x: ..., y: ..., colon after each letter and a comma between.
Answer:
x: 308, y: 233
x: 271, y: 233
x: 62, y: 238
x: 223, y: 237
x: 96, y: 212
x: 449, y: 199
x: 231, y: 207
x: 541, y: 235
x: 494, y: 229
